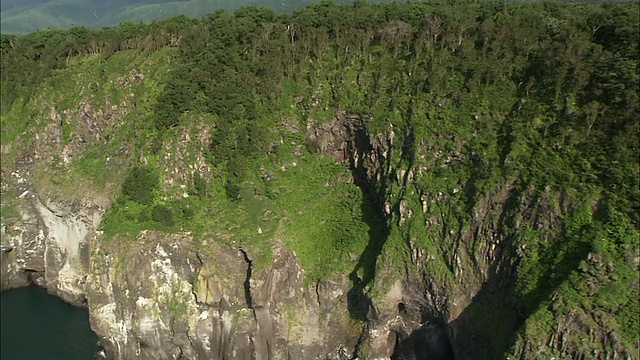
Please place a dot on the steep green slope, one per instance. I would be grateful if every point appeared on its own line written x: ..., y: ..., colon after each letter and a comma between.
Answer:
x: 487, y: 152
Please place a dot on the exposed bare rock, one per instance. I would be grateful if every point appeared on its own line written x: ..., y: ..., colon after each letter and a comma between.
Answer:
x: 49, y: 247
x: 168, y: 300
x: 333, y: 138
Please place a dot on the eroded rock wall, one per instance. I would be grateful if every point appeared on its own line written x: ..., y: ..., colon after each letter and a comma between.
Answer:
x: 457, y: 298
x: 165, y: 299
x: 164, y: 296
x: 48, y: 247
x: 44, y: 238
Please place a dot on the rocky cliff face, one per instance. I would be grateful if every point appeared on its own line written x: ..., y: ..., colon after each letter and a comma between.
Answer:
x: 163, y: 297
x: 474, y: 311
x: 43, y: 232
x: 428, y: 286
x: 48, y: 247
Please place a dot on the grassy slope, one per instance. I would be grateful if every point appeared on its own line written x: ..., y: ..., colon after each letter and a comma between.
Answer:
x: 88, y: 80
x: 287, y: 209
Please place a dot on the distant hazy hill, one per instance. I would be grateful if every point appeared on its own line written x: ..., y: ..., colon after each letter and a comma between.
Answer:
x: 22, y: 16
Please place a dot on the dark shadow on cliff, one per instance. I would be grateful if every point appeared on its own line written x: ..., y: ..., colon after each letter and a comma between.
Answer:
x: 247, y: 280
x: 427, y: 343
x: 373, y: 210
x: 487, y: 329
x: 489, y: 325
x: 359, y: 303
x: 372, y: 207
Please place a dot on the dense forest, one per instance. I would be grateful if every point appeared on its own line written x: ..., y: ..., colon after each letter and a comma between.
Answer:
x: 565, y: 76
x: 540, y: 94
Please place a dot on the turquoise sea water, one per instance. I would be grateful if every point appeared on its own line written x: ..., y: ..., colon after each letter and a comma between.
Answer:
x: 37, y: 326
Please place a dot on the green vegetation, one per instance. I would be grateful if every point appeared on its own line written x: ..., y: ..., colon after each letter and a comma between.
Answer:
x: 537, y: 99
x: 140, y: 185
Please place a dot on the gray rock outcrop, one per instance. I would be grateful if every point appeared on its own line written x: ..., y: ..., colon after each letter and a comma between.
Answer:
x: 48, y: 247
x: 168, y: 300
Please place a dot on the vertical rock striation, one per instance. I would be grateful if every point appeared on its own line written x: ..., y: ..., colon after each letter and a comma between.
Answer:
x: 48, y: 247
x: 165, y: 300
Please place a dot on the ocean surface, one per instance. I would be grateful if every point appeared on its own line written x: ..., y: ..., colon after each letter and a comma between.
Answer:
x: 37, y: 326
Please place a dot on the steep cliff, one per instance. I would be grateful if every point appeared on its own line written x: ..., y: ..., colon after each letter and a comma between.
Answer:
x: 412, y: 184
x: 463, y: 299
x: 169, y: 300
